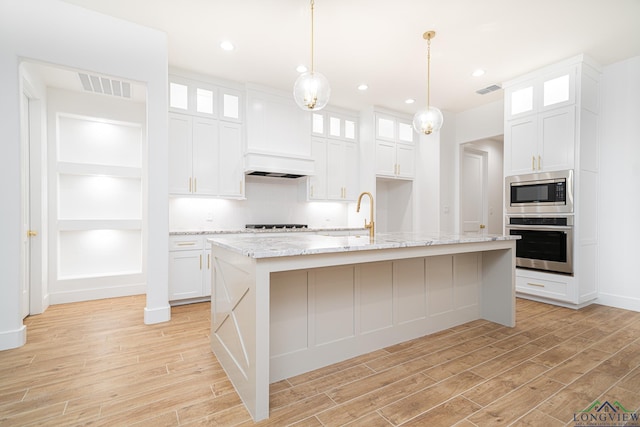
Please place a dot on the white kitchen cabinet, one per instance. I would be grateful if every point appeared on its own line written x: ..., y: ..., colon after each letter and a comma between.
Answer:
x: 205, y: 99
x: 551, y: 123
x: 395, y: 147
x: 205, y: 157
x: 335, y: 154
x: 540, y: 142
x: 317, y: 183
x: 230, y: 164
x: 395, y: 160
x: 542, y: 116
x: 189, y: 269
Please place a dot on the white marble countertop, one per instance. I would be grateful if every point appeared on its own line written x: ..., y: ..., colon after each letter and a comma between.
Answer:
x: 263, y: 230
x: 290, y: 244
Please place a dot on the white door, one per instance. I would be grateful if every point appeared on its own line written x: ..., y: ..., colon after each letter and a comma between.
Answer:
x: 26, y: 231
x: 473, y: 191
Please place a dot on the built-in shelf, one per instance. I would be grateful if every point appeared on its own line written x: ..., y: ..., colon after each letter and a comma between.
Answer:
x: 70, y: 168
x: 99, y: 224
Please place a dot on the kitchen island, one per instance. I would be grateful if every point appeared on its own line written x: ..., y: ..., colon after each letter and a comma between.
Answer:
x: 287, y: 304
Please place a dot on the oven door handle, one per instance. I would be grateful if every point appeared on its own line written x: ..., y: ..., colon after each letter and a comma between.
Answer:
x: 540, y: 227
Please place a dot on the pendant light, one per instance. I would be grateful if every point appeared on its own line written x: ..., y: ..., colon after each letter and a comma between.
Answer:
x: 429, y: 119
x: 311, y: 90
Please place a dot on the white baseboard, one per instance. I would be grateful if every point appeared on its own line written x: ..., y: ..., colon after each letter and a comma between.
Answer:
x: 157, y: 315
x: 624, y: 302
x: 13, y: 339
x: 96, y: 293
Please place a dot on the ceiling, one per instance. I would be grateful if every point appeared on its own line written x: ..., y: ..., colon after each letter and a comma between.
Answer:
x: 379, y: 42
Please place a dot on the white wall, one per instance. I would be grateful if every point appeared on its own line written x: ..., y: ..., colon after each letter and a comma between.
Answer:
x: 56, y: 32
x: 477, y: 124
x: 619, y: 207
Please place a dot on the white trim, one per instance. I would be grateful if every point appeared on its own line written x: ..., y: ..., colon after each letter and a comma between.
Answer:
x: 77, y: 295
x: 13, y: 339
x: 157, y: 315
x: 619, y: 301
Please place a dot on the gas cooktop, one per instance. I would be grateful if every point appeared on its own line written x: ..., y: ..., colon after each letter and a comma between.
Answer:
x: 267, y: 226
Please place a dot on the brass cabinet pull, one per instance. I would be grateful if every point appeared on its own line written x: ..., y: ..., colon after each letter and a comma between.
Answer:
x: 535, y: 284
x: 190, y: 184
x: 200, y: 262
x: 311, y: 191
x: 208, y: 261
x: 533, y: 163
x: 539, y: 161
x: 186, y: 243
x: 195, y: 185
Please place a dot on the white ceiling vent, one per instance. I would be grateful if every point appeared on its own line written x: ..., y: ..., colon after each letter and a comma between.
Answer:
x: 105, y: 86
x: 488, y: 89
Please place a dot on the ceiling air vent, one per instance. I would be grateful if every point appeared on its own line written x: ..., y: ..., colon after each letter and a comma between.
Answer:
x: 488, y: 89
x: 105, y: 86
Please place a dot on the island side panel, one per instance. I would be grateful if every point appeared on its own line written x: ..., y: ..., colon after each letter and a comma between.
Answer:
x: 498, y: 285
x: 235, y: 337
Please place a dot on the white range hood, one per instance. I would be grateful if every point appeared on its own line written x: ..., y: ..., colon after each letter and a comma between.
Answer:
x: 277, y: 165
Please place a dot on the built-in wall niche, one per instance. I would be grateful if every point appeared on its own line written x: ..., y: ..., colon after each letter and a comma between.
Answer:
x: 394, y: 205
x: 97, y: 253
x: 98, y: 197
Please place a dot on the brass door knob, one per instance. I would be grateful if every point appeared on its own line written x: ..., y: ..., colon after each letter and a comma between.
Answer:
x: 32, y: 233
x: 482, y: 226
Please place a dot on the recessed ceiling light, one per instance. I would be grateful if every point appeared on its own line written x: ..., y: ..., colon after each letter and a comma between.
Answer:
x: 301, y: 68
x: 363, y: 87
x: 409, y: 101
x: 477, y: 73
x: 227, y: 45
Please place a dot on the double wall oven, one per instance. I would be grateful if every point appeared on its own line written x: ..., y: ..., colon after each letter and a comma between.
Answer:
x: 539, y: 209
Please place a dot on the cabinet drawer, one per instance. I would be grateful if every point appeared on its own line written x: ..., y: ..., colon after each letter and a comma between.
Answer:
x: 185, y: 243
x: 545, y: 288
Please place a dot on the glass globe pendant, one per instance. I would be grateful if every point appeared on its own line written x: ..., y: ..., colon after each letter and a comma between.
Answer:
x: 429, y: 119
x: 311, y: 90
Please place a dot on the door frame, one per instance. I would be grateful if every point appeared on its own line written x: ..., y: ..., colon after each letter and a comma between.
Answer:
x: 34, y: 197
x: 469, y: 148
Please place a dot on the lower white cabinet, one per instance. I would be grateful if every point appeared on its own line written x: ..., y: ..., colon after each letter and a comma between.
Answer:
x: 189, y: 269
x: 540, y: 284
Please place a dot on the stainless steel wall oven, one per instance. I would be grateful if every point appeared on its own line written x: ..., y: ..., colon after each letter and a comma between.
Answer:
x: 546, y: 242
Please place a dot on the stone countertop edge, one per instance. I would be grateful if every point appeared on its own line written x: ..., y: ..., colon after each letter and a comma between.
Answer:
x: 264, y: 230
x: 291, y: 245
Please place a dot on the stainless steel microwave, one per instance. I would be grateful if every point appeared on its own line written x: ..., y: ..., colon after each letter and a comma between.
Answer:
x: 545, y: 192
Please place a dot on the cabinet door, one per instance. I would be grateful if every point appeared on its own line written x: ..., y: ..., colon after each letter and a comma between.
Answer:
x: 231, y: 166
x: 385, y: 158
x: 556, y: 130
x: 520, y: 100
x: 185, y: 274
x: 180, y: 154
x: 205, y: 157
x: 318, y: 182
x: 351, y: 184
x: 207, y: 267
x: 521, y: 152
x: 405, y: 161
x: 336, y: 173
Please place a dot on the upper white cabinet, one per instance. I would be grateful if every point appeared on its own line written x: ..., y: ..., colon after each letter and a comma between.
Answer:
x: 542, y: 116
x: 395, y: 147
x: 335, y: 155
x: 205, y: 139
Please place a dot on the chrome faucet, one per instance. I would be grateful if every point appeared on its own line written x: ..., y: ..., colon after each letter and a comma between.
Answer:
x: 371, y: 225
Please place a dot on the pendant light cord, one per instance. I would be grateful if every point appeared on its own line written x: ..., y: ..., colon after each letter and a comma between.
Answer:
x: 312, y: 7
x: 428, y: 71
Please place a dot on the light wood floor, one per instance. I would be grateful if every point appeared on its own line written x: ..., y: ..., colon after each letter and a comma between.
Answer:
x: 96, y: 363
